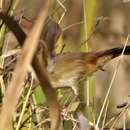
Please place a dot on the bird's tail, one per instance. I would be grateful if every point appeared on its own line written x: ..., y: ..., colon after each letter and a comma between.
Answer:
x: 107, y: 55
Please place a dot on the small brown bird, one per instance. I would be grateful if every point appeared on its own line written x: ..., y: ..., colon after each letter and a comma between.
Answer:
x: 68, y: 69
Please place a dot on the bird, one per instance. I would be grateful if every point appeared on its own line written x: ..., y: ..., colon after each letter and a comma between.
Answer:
x: 68, y: 69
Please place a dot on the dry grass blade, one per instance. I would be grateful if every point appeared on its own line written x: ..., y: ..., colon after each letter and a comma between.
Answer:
x: 24, y: 105
x: 13, y: 92
x: 40, y: 71
x: 54, y: 108
x: 111, y: 83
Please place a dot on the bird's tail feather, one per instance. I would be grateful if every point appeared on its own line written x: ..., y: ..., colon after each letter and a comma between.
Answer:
x: 107, y: 55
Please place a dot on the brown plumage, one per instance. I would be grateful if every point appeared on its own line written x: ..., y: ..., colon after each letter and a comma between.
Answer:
x: 68, y: 69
